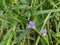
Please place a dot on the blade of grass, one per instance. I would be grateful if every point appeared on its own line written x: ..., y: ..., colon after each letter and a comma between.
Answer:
x: 47, y: 11
x: 21, y: 37
x: 42, y: 29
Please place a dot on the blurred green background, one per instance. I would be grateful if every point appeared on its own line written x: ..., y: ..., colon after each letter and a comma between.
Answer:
x: 15, y: 16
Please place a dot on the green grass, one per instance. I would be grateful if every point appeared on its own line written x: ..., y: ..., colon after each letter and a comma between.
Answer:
x: 15, y: 16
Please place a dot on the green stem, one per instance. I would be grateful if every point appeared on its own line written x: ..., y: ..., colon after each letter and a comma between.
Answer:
x: 33, y: 10
x: 42, y: 29
x: 12, y: 33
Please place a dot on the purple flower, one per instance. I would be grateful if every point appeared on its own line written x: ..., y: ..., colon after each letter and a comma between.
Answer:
x: 31, y: 25
x: 43, y: 32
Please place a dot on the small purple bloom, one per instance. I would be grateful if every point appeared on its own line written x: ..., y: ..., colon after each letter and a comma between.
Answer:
x: 43, y: 32
x: 31, y: 25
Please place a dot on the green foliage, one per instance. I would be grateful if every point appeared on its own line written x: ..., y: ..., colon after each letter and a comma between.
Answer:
x: 15, y: 16
x: 22, y: 35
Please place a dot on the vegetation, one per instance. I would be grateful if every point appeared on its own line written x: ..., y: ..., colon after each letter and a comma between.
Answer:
x: 29, y: 22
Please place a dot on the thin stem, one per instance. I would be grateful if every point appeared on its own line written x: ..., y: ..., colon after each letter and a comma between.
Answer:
x: 42, y: 28
x: 12, y: 33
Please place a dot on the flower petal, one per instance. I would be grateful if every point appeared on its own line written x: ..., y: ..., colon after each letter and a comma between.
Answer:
x: 31, y: 23
x: 28, y: 26
x: 33, y: 27
x: 43, y: 32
